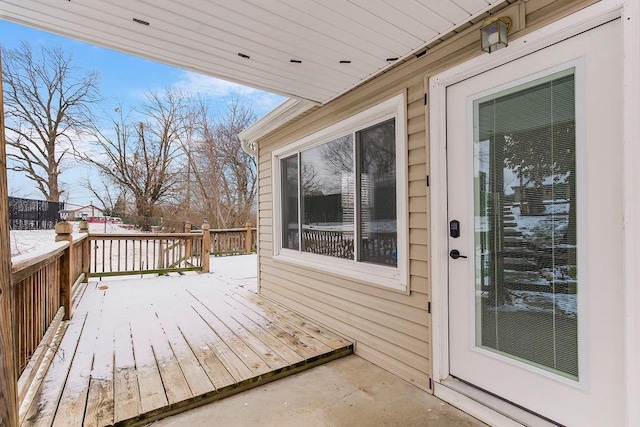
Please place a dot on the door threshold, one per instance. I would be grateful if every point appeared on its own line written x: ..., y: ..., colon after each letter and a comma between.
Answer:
x: 486, y: 406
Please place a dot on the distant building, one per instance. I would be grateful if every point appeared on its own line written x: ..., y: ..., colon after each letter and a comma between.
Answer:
x: 90, y: 210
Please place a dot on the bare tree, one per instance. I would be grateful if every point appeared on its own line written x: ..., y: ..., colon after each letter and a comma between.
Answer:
x: 111, y: 196
x: 225, y: 176
x: 48, y: 101
x: 143, y: 157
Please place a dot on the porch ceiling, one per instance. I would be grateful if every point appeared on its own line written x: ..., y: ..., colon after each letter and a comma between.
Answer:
x: 208, y: 36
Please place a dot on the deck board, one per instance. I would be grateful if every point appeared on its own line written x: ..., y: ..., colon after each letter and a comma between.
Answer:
x: 197, y: 379
x: 138, y: 349
x: 126, y: 391
x: 152, y: 392
x: 43, y: 408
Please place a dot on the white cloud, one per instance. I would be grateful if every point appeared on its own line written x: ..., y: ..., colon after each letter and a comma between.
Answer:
x: 195, y: 83
x: 206, y: 86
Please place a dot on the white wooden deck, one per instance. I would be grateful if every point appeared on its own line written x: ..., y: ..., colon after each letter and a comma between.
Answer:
x: 139, y: 350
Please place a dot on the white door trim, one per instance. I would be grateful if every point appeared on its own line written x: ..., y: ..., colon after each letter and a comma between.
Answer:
x: 631, y: 132
x: 586, y: 19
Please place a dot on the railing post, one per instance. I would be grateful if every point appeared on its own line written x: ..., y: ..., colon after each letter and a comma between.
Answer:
x: 86, y: 259
x: 247, y: 241
x: 8, y: 377
x: 206, y: 247
x: 84, y: 226
x: 63, y: 233
x: 187, y: 244
x: 86, y: 251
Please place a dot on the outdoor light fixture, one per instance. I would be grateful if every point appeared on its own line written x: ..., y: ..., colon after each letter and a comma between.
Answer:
x: 494, y: 33
x: 84, y: 216
x: 64, y: 214
x: 205, y: 220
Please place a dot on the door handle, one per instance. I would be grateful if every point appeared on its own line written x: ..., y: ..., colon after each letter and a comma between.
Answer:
x: 455, y: 254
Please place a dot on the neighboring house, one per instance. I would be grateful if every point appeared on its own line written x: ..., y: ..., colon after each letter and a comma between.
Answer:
x: 382, y: 205
x: 90, y: 210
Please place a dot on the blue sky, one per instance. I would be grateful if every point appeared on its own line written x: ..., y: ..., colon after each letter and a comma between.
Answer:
x: 125, y: 78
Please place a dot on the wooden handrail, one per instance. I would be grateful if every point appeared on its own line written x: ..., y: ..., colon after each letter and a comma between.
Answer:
x: 79, y: 238
x: 27, y: 264
x: 144, y: 236
x: 229, y: 230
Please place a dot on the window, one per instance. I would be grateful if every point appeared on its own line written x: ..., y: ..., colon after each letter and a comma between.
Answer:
x: 341, y: 198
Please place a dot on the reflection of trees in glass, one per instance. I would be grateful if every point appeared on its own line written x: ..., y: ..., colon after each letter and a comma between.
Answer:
x: 322, y: 189
x: 290, y: 203
x: 531, y: 136
x: 538, y: 154
x: 322, y: 175
x: 527, y: 254
x: 338, y: 155
x: 377, y: 163
x: 310, y: 181
x: 380, y: 160
x: 542, y: 151
x: 379, y: 150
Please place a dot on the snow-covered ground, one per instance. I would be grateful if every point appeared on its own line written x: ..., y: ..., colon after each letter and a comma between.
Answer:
x: 25, y: 241
x: 555, y: 219
x: 549, y: 227
x: 565, y: 305
x: 239, y: 269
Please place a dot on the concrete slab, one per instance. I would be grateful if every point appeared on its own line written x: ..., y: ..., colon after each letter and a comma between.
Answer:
x: 346, y: 392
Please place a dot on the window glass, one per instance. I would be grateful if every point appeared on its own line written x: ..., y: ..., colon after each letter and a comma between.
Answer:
x: 290, y: 228
x: 327, y: 189
x: 377, y: 183
x: 527, y: 282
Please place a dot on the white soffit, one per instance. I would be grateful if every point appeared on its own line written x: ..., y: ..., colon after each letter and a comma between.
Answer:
x: 207, y: 36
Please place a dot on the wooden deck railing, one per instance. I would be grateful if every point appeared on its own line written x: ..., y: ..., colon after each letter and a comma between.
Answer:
x: 43, y: 284
x: 36, y: 300
x: 145, y: 253
x: 233, y: 241
x: 378, y: 248
x: 81, y: 260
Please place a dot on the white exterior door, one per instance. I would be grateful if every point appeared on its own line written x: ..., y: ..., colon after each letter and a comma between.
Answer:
x: 534, y: 170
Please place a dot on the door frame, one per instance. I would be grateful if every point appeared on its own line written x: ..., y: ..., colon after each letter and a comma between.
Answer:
x: 576, y: 23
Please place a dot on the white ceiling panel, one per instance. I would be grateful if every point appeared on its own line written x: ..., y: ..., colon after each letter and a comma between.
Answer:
x: 307, y: 49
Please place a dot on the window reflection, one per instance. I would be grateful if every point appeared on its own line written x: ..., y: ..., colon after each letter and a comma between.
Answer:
x: 290, y: 227
x: 327, y: 190
x: 345, y: 207
x: 526, y: 225
x: 377, y: 175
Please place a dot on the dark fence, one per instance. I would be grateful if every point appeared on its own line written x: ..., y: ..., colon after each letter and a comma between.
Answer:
x: 28, y: 214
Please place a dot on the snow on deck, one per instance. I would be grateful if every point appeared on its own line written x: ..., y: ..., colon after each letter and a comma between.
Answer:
x: 136, y: 349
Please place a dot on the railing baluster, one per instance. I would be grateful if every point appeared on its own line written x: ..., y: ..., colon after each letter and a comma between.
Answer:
x: 95, y: 255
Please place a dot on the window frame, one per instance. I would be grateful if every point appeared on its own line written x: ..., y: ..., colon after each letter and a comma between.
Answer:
x: 388, y: 277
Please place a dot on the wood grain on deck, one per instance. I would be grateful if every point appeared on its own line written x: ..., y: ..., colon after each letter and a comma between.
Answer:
x: 139, y: 350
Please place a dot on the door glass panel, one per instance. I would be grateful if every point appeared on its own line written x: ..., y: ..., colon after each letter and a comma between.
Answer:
x: 525, y: 224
